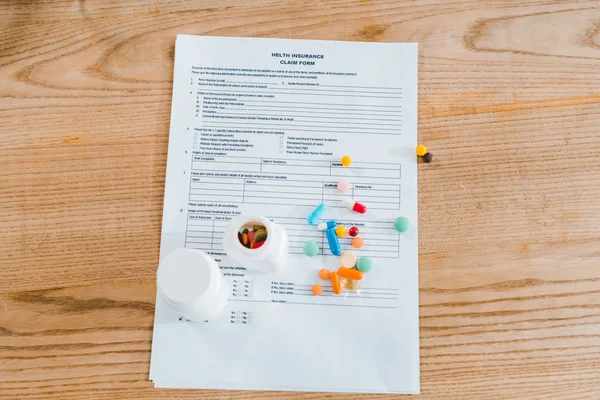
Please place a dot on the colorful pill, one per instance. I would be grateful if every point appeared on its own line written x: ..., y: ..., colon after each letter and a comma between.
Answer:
x: 401, y: 224
x: 428, y: 157
x: 326, y: 225
x: 317, y: 289
x: 324, y: 274
x: 346, y: 161
x: 353, y: 231
x: 310, y: 248
x: 260, y: 236
x: 340, y: 231
x: 350, y: 284
x: 350, y: 273
x: 357, y: 242
x: 252, y: 236
x: 421, y: 150
x: 355, y: 206
x: 314, y: 216
x: 364, y: 264
x: 343, y: 186
x: 335, y: 283
x: 348, y: 259
x: 332, y: 240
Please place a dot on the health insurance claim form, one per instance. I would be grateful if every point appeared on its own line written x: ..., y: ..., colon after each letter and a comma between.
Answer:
x: 258, y: 126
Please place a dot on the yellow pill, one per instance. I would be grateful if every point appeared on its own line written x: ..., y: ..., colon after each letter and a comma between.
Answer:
x: 350, y: 284
x: 346, y: 161
x: 340, y: 231
x: 421, y: 150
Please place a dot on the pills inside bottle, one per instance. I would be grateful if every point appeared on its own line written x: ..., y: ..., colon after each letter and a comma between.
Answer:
x: 252, y: 235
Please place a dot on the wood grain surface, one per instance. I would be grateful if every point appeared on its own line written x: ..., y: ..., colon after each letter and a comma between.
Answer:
x: 509, y: 102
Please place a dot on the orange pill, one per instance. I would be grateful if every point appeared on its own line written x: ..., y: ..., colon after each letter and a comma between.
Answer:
x: 324, y: 274
x: 350, y: 273
x: 357, y: 242
x: 317, y: 289
x: 335, y: 283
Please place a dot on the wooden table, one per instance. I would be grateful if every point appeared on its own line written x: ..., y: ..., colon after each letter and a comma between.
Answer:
x: 509, y: 102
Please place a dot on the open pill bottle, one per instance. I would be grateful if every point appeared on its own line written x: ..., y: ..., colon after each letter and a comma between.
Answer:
x: 190, y: 282
x: 256, y: 243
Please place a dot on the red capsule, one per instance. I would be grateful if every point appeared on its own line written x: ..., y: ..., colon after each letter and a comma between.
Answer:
x: 355, y: 206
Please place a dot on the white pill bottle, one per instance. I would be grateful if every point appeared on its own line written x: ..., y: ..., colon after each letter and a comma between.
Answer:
x: 191, y: 283
x: 270, y: 257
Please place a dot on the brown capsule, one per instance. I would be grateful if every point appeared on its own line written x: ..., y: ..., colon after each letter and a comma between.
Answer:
x: 428, y: 157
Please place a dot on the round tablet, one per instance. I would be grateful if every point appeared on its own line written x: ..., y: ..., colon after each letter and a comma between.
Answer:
x: 357, y: 242
x: 340, y: 231
x: 346, y: 161
x: 347, y: 259
x: 311, y: 248
x: 364, y: 264
x: 324, y: 274
x: 401, y: 224
x: 421, y: 150
x: 343, y: 186
x: 317, y: 289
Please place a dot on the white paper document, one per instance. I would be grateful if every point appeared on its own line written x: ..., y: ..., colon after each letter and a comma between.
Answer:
x: 259, y: 126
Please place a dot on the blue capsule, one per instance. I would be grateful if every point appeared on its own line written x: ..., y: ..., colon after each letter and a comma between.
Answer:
x: 315, y: 216
x: 327, y: 225
x: 334, y: 243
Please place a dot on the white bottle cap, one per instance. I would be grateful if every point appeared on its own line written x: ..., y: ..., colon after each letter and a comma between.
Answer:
x: 270, y: 257
x: 190, y: 282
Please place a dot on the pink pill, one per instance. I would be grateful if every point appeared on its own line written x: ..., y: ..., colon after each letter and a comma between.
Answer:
x: 343, y: 186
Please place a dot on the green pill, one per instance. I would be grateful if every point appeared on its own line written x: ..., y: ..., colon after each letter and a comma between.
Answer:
x: 364, y: 264
x: 401, y: 224
x: 311, y: 248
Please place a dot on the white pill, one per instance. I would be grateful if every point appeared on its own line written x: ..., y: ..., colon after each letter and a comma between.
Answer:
x: 348, y: 259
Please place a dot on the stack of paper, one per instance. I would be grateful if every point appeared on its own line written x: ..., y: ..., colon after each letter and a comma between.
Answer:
x: 259, y: 126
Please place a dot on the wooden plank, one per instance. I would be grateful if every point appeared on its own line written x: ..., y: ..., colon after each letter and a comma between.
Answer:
x: 509, y: 103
